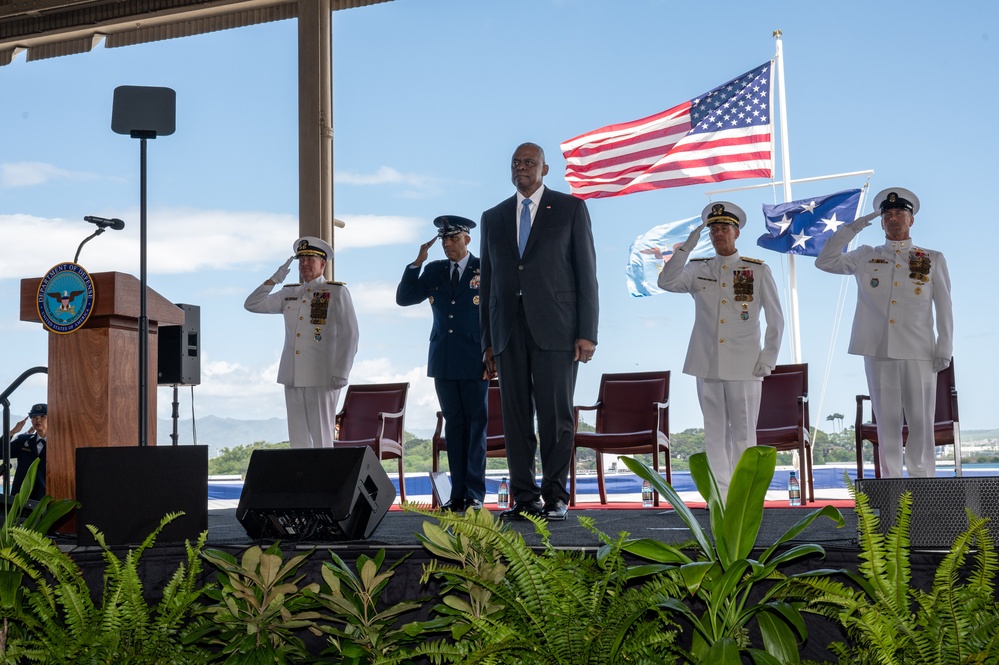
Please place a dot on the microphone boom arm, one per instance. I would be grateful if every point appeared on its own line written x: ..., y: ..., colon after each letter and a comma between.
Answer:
x: 93, y: 235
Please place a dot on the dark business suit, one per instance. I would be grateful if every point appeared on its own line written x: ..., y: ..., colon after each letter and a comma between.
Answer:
x: 534, y: 308
x: 455, y: 363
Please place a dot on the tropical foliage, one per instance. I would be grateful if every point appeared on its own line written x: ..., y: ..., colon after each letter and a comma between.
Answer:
x: 733, y: 589
x: 505, y: 603
x: 60, y: 621
x: 891, y: 622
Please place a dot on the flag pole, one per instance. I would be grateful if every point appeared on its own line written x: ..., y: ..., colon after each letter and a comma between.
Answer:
x: 785, y: 154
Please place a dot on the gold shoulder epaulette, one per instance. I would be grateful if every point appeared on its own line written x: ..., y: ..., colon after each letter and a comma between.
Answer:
x: 701, y: 258
x: 749, y: 260
x: 338, y: 283
x: 288, y: 286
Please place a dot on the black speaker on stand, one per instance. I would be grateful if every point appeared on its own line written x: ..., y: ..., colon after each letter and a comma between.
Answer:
x: 316, y: 494
x: 179, y: 357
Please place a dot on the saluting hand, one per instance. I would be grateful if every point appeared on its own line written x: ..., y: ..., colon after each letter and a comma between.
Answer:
x: 695, y: 235
x: 862, y: 223
x: 282, y: 272
x: 424, y: 252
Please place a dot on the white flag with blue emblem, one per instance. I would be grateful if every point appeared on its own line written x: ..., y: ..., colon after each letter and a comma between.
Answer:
x: 652, y: 249
x: 802, y: 227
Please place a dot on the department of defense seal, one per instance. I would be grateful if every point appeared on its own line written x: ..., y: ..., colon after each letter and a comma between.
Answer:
x: 65, y: 298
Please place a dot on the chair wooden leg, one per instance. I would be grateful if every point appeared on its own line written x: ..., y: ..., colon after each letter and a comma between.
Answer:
x: 402, y: 483
x: 600, y: 478
x: 877, y: 459
x: 572, y: 477
x: 860, y: 454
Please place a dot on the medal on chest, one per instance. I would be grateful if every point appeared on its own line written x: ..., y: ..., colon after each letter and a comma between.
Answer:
x: 319, y: 308
x: 742, y: 284
x: 474, y: 283
x: 919, y: 266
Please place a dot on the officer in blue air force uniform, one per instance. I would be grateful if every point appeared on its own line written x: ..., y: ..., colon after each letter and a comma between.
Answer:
x: 455, y: 362
x: 725, y: 353
x: 899, y: 289
x: 319, y: 344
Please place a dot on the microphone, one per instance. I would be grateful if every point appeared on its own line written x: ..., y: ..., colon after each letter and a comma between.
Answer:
x: 102, y: 222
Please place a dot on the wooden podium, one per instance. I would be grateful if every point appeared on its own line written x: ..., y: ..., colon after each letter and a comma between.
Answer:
x: 93, y: 373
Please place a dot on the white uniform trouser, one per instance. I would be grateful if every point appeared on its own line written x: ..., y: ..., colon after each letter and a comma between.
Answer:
x: 311, y: 416
x: 904, y: 388
x: 730, y: 410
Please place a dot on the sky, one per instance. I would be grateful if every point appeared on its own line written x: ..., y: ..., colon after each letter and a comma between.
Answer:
x: 431, y: 97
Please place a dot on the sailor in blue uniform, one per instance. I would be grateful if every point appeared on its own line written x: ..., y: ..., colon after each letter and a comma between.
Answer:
x: 455, y: 362
x: 29, y: 447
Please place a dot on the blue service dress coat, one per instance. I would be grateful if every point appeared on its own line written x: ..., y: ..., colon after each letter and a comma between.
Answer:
x: 24, y: 449
x: 455, y: 339
x: 455, y: 363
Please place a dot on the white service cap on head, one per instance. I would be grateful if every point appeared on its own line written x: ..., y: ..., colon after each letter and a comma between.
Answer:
x: 896, y: 198
x: 312, y: 246
x: 723, y: 212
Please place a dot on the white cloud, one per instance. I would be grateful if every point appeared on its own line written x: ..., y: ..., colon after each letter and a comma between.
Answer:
x: 182, y: 240
x: 379, y: 298
x: 31, y: 174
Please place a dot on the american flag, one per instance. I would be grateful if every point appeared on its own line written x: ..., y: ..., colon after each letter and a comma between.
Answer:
x: 721, y: 135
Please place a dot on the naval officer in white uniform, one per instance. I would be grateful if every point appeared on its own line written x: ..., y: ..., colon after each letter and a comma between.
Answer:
x: 900, y: 287
x: 726, y: 354
x: 320, y: 341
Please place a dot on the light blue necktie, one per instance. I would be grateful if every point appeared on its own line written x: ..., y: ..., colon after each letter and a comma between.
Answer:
x: 525, y: 224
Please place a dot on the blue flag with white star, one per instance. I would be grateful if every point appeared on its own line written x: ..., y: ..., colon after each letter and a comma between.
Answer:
x: 802, y: 227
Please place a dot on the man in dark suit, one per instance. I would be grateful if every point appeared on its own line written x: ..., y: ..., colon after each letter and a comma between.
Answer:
x: 455, y: 363
x: 539, y: 319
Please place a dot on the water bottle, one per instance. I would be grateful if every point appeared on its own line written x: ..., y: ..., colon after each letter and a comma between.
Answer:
x: 646, y: 494
x: 793, y: 491
x: 503, y: 496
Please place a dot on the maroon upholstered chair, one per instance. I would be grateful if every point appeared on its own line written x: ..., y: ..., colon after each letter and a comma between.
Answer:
x: 495, y: 442
x: 632, y: 419
x: 946, y: 423
x: 784, y: 422
x: 373, y: 415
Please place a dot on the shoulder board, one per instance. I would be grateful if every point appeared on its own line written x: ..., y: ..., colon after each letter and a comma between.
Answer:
x: 288, y: 286
x: 701, y: 258
x: 338, y: 283
x: 749, y: 260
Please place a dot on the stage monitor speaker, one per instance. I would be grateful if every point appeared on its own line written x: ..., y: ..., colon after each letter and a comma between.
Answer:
x: 179, y: 351
x: 938, y: 504
x: 316, y: 494
x: 125, y: 492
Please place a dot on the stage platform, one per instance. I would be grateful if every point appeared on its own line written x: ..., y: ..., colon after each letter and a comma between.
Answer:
x: 397, y: 535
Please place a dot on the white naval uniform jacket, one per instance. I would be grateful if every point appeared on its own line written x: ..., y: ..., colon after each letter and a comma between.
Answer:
x: 899, y: 286
x: 320, y: 329
x: 729, y: 294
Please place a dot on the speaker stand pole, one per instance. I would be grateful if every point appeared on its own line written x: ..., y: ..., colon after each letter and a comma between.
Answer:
x: 143, y: 318
x: 175, y: 415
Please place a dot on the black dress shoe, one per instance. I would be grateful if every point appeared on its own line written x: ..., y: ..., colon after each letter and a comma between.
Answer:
x: 473, y: 504
x: 453, y: 506
x: 522, y: 508
x: 555, y: 511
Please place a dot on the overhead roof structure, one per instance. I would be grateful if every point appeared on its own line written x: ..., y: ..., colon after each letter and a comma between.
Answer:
x: 51, y: 28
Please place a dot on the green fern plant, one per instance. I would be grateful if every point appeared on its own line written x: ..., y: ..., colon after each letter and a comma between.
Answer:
x: 887, y: 620
x: 63, y: 624
x: 359, y: 632
x: 260, y: 606
x: 734, y: 590
x: 41, y: 518
x: 505, y: 603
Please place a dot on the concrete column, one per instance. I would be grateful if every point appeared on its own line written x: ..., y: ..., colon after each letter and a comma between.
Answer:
x: 315, y: 121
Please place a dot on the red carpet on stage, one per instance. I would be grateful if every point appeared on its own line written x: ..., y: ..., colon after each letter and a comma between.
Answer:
x: 636, y: 505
